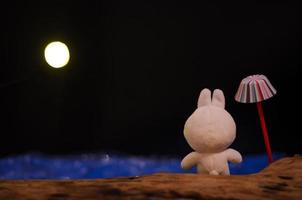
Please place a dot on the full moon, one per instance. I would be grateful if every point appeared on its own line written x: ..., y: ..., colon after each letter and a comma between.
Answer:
x: 56, y: 54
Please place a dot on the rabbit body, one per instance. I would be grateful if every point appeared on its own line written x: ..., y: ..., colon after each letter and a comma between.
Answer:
x: 210, y: 130
x: 211, y: 163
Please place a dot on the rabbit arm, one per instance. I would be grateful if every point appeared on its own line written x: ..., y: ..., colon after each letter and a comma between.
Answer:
x: 233, y: 156
x: 190, y: 160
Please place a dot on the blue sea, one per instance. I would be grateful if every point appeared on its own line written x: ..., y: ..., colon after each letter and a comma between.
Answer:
x: 91, y: 166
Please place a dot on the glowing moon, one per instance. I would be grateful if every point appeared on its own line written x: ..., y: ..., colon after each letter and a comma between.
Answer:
x: 56, y: 54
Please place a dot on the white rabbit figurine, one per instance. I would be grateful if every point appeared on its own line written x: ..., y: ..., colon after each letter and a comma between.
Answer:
x: 210, y: 130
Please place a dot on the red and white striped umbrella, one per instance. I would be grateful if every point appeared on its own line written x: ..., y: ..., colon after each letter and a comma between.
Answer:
x: 255, y: 89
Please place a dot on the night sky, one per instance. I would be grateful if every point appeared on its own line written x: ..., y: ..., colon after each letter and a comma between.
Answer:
x: 136, y: 70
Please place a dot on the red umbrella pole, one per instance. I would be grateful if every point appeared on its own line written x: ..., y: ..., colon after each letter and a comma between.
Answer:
x: 264, y: 132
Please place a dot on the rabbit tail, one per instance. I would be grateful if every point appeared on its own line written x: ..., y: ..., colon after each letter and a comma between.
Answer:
x: 214, y: 172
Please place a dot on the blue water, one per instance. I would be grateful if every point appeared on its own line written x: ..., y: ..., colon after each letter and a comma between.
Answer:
x: 88, y: 166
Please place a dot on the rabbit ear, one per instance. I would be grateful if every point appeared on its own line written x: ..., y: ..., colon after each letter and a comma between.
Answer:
x: 218, y: 98
x: 204, y: 98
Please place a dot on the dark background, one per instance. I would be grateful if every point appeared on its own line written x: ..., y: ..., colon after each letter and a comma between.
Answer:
x: 136, y: 71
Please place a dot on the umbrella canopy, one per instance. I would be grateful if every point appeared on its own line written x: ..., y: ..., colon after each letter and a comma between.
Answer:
x: 254, y: 88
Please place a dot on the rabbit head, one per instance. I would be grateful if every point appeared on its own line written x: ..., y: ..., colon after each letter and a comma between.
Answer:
x: 210, y: 128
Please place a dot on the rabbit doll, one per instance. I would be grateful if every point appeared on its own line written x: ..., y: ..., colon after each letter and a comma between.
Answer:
x: 210, y: 130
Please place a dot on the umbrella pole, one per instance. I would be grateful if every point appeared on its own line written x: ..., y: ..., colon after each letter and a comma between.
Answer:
x: 264, y: 132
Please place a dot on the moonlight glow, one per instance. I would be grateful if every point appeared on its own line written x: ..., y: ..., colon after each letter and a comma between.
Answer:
x: 56, y: 54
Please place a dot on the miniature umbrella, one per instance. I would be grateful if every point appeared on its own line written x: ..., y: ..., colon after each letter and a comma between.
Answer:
x: 255, y: 89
